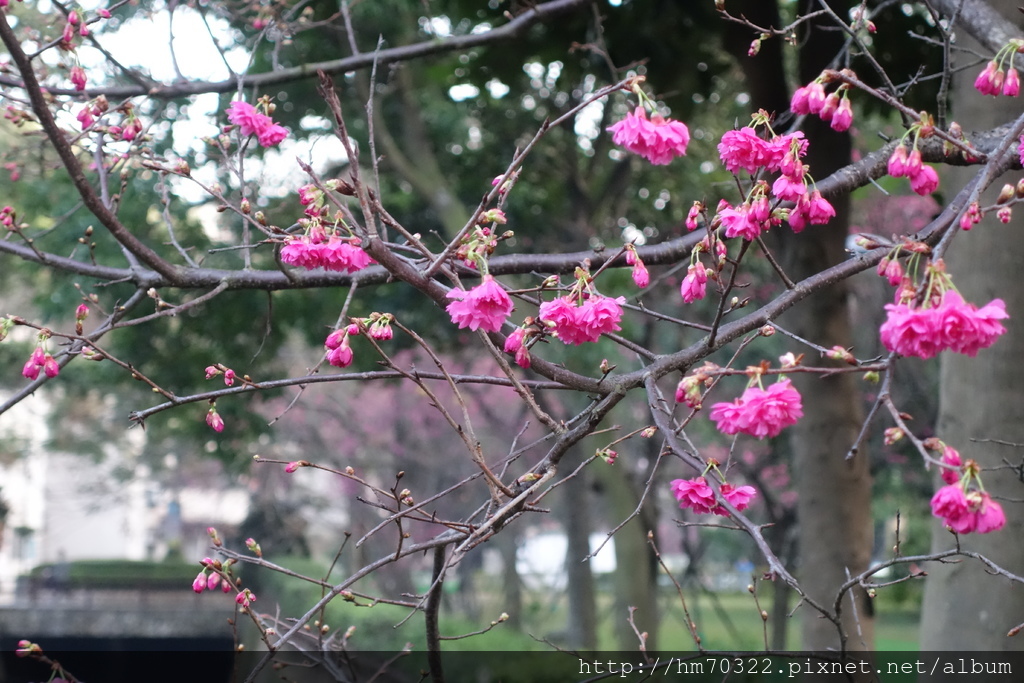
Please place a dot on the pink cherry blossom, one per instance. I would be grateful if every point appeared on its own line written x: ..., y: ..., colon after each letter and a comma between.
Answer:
x: 950, y: 503
x: 789, y: 189
x: 246, y: 117
x: 897, y: 166
x: 925, y: 180
x: 85, y: 117
x: 214, y: 420
x: 989, y: 81
x: 693, y: 215
x: 341, y: 356
x: 658, y: 140
x: 988, y: 514
x: 694, y: 494
x: 271, y: 135
x: 745, y: 150
x: 951, y: 456
x: 968, y: 329
x: 199, y: 585
x: 1011, y: 85
x: 809, y: 99
x: 30, y: 370
x: 843, y: 117
x: 829, y: 108
x: 694, y: 286
x: 890, y: 269
x: 819, y: 211
x: 252, y: 122
x: 600, y: 315
x: 485, y: 307
x: 50, y: 366
x: 584, y: 323
x: 759, y: 412
x: 77, y: 77
x: 342, y: 256
x: 738, y: 222
x: 738, y: 497
x: 514, y: 345
x: 953, y: 324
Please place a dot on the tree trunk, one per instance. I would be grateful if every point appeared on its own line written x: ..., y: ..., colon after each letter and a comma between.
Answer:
x: 582, y: 623
x: 834, y: 506
x: 980, y: 399
x: 635, y: 565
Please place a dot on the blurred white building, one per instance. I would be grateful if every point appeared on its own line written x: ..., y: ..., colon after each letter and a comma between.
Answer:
x: 65, y: 507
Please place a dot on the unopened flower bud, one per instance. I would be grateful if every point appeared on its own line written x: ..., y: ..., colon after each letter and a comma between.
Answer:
x: 789, y: 360
x: 839, y: 353
x: 892, y: 435
x: 648, y: 432
x: 1004, y: 214
x: 245, y: 206
x: 872, y: 376
x: 1006, y: 194
x: 766, y: 331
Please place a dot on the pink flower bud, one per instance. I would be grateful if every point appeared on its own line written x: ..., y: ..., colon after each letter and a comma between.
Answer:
x: 199, y: 585
x: 82, y: 312
x: 51, y: 367
x: 214, y: 420
x: 78, y: 77
x: 212, y: 371
x: 30, y: 370
x: 229, y: 377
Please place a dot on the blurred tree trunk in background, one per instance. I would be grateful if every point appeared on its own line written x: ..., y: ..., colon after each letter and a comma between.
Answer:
x: 981, y: 399
x: 834, y: 508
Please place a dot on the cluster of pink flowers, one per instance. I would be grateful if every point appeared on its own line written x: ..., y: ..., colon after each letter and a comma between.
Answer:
x: 586, y: 322
x: 697, y: 495
x: 209, y: 579
x: 218, y: 370
x: 744, y: 149
x: 515, y: 344
x: 903, y: 163
x: 967, y: 511
x: 319, y: 251
x: 485, y: 307
x: 994, y: 81
x: 252, y: 122
x: 950, y: 323
x: 40, y: 360
x: 641, y: 277
x: 758, y: 412
x: 87, y: 114
x: 659, y: 140
x: 834, y: 108
x: 339, y: 351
